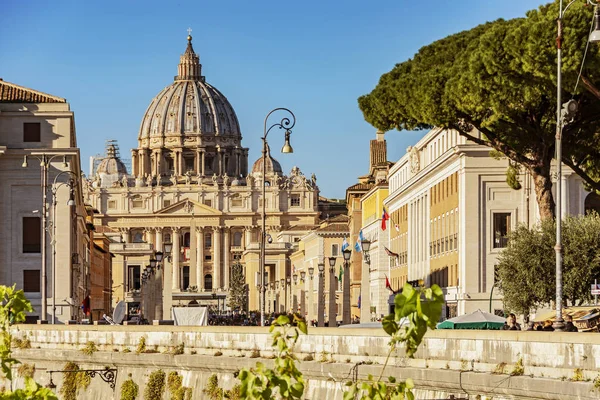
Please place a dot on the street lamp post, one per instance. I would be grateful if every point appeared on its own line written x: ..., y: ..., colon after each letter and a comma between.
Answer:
x: 167, y: 248
x: 289, y: 306
x: 346, y: 312
x: 365, y: 289
x: 311, y: 306
x: 45, y: 160
x: 563, y: 114
x: 320, y: 299
x: 332, y: 283
x: 287, y: 124
x: 294, y: 296
x: 70, y: 203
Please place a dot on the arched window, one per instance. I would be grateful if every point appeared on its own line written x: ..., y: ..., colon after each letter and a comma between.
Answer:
x: 167, y: 238
x: 208, y: 282
x: 207, y: 240
x: 186, y: 239
x: 237, y: 238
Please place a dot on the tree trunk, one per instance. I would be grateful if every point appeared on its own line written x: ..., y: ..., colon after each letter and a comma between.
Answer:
x: 543, y: 191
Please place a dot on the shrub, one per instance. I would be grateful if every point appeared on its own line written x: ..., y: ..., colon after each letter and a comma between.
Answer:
x: 26, y: 370
x: 129, y: 389
x: 90, y: 348
x: 73, y: 381
x: 155, y: 386
x: 141, y: 347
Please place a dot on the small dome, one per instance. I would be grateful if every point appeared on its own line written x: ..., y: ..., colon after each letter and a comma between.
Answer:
x: 111, y: 169
x: 272, y: 165
x: 111, y: 164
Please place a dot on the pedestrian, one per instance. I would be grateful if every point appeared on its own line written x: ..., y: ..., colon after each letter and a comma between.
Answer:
x: 548, y: 326
x: 569, y: 326
x: 514, y: 318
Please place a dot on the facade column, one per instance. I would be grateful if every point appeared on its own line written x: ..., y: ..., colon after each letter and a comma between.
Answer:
x: 180, y: 161
x: 202, y: 154
x: 175, y: 255
x: 158, y: 244
x: 217, y: 258
x: 200, y: 259
x: 158, y: 162
x: 134, y: 163
x: 226, y: 256
x: 149, y: 236
x: 197, y: 162
x: 248, y: 236
x: 142, y: 162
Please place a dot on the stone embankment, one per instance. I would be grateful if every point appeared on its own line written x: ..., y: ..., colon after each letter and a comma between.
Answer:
x: 466, y: 364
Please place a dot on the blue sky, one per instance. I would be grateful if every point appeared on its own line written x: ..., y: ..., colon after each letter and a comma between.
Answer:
x: 109, y: 59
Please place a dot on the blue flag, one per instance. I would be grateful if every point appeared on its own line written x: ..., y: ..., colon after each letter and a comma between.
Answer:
x: 358, y: 245
x: 345, y: 244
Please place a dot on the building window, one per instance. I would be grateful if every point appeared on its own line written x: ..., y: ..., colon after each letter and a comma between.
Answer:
x: 133, y: 277
x: 167, y: 203
x: 208, y: 203
x: 112, y: 204
x: 137, y: 202
x: 170, y: 168
x: 208, y: 282
x: 185, y: 277
x: 295, y: 200
x: 31, y: 280
x: 501, y: 229
x: 32, y: 235
x: 207, y: 240
x: 138, y: 237
x: 189, y: 164
x: 31, y: 132
x: 236, y: 201
x: 237, y: 239
x: 335, y: 250
x: 186, y: 240
x: 167, y: 238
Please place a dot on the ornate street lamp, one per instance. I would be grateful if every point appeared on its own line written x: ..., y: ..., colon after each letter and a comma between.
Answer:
x: 332, y: 293
x: 320, y: 299
x: 45, y: 160
x: 286, y: 123
x: 346, y: 312
x: 365, y: 289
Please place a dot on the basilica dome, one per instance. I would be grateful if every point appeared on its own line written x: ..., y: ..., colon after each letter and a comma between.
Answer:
x: 189, y: 111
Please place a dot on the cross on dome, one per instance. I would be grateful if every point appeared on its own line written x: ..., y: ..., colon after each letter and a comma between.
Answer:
x: 189, y: 30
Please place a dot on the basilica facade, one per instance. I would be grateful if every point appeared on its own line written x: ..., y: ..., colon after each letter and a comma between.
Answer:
x: 190, y: 187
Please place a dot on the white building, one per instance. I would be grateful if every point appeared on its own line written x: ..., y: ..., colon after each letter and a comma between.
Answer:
x: 454, y: 210
x: 38, y: 154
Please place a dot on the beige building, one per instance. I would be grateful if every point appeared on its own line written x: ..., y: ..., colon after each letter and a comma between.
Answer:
x: 190, y: 186
x: 39, y: 160
x: 314, y: 248
x: 365, y: 203
x: 454, y: 211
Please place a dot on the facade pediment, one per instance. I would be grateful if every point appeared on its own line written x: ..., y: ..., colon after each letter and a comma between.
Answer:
x: 188, y: 207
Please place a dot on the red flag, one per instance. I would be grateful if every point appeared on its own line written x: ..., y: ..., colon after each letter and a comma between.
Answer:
x: 387, y: 284
x: 85, y: 306
x: 384, y: 217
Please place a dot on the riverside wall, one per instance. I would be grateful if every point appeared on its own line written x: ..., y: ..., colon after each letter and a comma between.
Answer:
x: 465, y: 364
